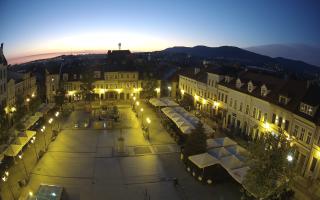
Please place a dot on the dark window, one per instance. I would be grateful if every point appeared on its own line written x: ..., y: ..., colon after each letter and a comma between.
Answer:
x: 286, y: 125
x: 280, y: 121
x: 273, y: 118
x: 313, y: 164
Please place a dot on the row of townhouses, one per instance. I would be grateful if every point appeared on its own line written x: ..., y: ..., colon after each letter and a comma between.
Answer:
x: 113, y: 80
x: 254, y: 104
x: 107, y: 85
x: 15, y: 85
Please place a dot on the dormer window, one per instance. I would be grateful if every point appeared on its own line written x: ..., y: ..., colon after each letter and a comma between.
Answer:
x: 283, y: 100
x: 238, y: 83
x: 65, y: 77
x: 307, y: 109
x: 74, y: 76
x: 250, y: 86
x: 227, y: 79
x: 97, y: 74
x: 264, y: 90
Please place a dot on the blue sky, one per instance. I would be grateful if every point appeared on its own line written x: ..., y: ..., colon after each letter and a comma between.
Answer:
x: 42, y: 26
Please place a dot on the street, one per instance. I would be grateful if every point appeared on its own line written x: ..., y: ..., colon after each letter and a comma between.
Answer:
x: 86, y: 162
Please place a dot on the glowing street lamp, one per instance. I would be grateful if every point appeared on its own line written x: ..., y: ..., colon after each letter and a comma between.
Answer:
x: 57, y: 114
x: 290, y: 158
x: 137, y: 103
x: 44, y: 136
x: 5, y: 178
x: 34, y: 145
x: 50, y: 120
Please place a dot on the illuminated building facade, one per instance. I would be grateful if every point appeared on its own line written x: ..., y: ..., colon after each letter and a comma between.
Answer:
x: 254, y: 104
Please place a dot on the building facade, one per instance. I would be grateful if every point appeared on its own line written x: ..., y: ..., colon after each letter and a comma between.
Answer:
x: 3, y: 78
x: 254, y: 104
x: 20, y: 85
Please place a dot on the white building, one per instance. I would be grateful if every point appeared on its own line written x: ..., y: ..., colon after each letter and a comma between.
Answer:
x: 254, y: 104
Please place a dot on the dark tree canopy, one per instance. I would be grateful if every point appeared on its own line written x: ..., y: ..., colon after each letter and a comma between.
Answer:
x: 196, y: 142
x: 270, y: 169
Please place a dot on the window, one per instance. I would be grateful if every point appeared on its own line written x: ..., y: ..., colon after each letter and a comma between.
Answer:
x: 265, y: 117
x: 313, y: 164
x: 238, y: 83
x: 240, y: 108
x: 74, y: 76
x: 295, y: 130
x: 226, y: 99
x: 247, y: 109
x: 250, y: 86
x: 254, y: 112
x: 230, y: 101
x: 219, y: 95
x: 286, y: 125
x: 301, y: 137
x: 280, y: 121
x: 308, y: 140
x: 306, y: 109
x: 273, y: 118
x: 235, y: 104
x: 222, y: 96
x: 283, y: 100
x: 259, y: 115
x: 264, y: 90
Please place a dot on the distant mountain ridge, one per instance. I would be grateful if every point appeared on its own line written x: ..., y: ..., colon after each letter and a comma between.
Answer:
x: 245, y: 57
x: 306, y: 53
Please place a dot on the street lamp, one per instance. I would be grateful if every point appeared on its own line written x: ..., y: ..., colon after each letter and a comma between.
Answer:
x: 34, y: 145
x: 290, y: 158
x: 44, y: 137
x: 141, y: 110
x: 169, y: 88
x: 24, y: 165
x: 148, y: 122
x: 28, y: 103
x: 5, y: 178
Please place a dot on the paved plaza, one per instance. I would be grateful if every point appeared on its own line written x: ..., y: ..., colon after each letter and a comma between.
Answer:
x: 86, y: 162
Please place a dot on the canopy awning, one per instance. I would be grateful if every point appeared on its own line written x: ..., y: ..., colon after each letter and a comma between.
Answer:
x: 219, y: 152
x: 13, y: 150
x: 231, y: 162
x: 203, y: 160
x: 162, y: 102
x: 239, y: 174
x: 221, y: 142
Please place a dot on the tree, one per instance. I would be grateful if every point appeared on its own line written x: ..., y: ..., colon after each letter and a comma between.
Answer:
x: 187, y: 102
x: 271, y: 166
x: 60, y: 97
x: 149, y: 86
x: 87, y: 86
x: 196, y: 142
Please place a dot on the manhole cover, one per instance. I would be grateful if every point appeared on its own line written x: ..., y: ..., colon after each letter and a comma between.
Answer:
x: 141, y: 150
x: 162, y: 149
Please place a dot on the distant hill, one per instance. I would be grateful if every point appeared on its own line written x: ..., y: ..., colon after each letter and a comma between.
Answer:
x: 306, y: 53
x: 245, y: 57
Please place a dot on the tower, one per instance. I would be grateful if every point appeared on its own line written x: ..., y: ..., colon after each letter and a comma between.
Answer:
x: 119, y: 45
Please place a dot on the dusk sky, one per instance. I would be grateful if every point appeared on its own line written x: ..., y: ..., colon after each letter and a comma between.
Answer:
x: 43, y: 26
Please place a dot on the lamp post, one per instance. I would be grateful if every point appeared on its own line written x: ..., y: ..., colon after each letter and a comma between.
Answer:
x: 58, y: 122
x: 137, y: 104
x: 169, y: 88
x: 44, y: 137
x: 24, y: 166
x: 148, y: 122
x: 34, y: 146
x: 51, y: 128
x: 141, y: 110
x: 28, y: 103
x: 5, y: 178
